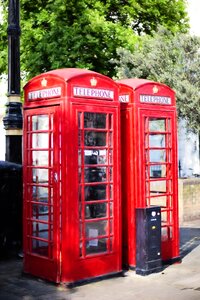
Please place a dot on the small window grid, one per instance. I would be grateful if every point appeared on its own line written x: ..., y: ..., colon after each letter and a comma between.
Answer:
x: 158, y: 170
x: 40, y: 185
x: 95, y: 183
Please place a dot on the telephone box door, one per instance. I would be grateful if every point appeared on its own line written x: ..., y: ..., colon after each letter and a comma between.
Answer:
x: 41, y: 193
x: 160, y: 174
x: 94, y: 221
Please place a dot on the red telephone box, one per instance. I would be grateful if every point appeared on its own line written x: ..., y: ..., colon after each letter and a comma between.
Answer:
x: 149, y: 162
x: 71, y: 176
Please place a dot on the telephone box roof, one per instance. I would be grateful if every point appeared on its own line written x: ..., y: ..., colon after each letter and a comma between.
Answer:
x: 68, y: 73
x: 136, y: 83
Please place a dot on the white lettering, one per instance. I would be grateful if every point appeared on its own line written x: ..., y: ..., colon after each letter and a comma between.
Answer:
x: 47, y: 93
x: 93, y: 93
x: 124, y: 98
x: 155, y: 99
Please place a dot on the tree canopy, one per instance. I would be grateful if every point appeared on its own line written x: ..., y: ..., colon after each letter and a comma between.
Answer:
x: 84, y: 33
x: 170, y: 59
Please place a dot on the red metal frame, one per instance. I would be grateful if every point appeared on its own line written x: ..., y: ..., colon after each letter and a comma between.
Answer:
x: 85, y: 236
x: 148, y: 178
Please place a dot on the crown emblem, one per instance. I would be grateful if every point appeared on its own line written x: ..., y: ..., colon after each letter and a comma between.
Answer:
x: 44, y: 82
x: 93, y: 81
x: 155, y: 89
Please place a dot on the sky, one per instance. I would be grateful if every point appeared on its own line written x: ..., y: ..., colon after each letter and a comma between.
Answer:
x: 194, y: 15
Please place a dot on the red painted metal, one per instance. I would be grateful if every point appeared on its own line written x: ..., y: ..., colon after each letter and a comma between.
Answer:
x: 72, y: 204
x: 149, y: 162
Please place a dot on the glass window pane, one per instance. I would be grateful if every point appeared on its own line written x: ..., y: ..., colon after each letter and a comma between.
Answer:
x: 40, y: 140
x: 40, y: 158
x: 40, y: 212
x: 40, y: 194
x: 96, y: 246
x: 158, y: 171
x: 97, y: 210
x: 95, y: 156
x: 95, y: 138
x: 95, y: 174
x: 156, y: 124
x: 157, y: 140
x: 95, y: 192
x: 40, y: 122
x: 110, y: 139
x: 94, y: 120
x: 157, y: 156
x: 159, y: 201
x: 95, y: 229
x: 40, y: 230
x: 102, y: 157
x: 111, y: 209
x: 40, y: 175
x: 91, y: 156
x: 111, y: 191
x: 157, y: 187
x: 40, y: 247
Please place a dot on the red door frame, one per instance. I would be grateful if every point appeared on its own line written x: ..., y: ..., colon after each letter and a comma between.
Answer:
x: 75, y: 267
x: 133, y: 109
x: 43, y: 265
x: 169, y: 210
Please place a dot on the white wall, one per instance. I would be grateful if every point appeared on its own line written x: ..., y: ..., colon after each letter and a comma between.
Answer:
x: 188, y: 151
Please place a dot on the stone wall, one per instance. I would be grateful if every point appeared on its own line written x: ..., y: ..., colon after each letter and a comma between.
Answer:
x: 189, y: 200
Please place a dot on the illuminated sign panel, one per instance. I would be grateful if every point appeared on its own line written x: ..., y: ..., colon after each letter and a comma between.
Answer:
x: 93, y: 93
x: 46, y: 93
x: 155, y: 99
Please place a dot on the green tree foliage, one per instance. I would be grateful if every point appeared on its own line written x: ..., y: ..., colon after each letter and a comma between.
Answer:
x: 170, y: 59
x: 85, y: 33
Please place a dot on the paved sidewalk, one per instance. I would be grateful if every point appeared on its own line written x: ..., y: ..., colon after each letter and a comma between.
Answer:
x: 178, y: 281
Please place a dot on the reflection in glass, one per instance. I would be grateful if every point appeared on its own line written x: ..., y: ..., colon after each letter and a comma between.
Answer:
x: 95, y: 138
x: 97, y: 210
x: 40, y: 212
x: 111, y: 173
x: 95, y: 229
x: 40, y: 194
x: 110, y: 143
x: 95, y: 192
x: 157, y: 140
x: 102, y: 157
x: 95, y: 156
x: 40, y: 158
x: 91, y: 156
x: 96, y: 246
x: 111, y: 192
x: 94, y: 120
x: 95, y: 174
x: 110, y: 121
x: 40, y: 122
x: 156, y: 124
x: 111, y: 209
x: 111, y: 226
x: 157, y: 155
x: 40, y: 175
x: 40, y: 140
x: 157, y: 171
x: 40, y: 230
x: 110, y: 157
x: 40, y: 247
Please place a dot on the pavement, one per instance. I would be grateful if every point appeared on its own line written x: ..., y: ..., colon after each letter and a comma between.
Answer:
x: 178, y: 281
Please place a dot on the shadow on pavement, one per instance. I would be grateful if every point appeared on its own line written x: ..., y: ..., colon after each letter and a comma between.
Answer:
x: 189, y: 239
